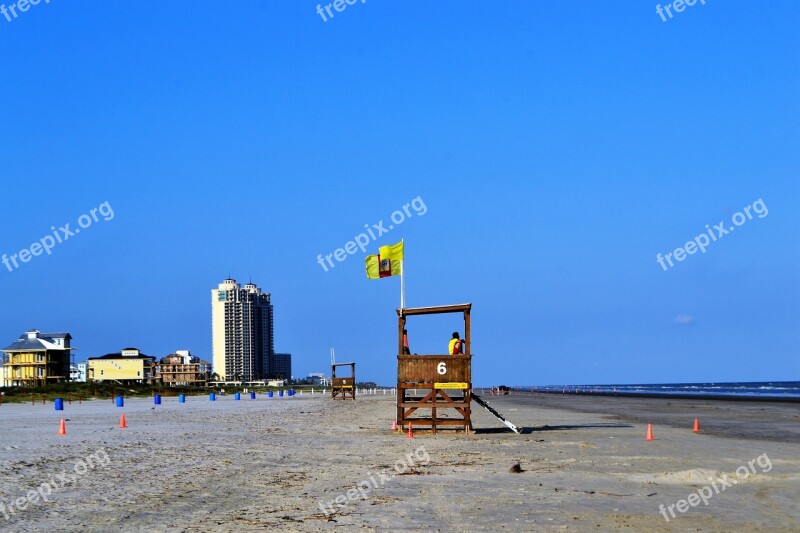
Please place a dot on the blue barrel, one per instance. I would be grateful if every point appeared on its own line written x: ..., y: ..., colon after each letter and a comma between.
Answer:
x: 291, y: 392
x: 252, y: 395
x: 212, y: 397
x: 120, y: 401
x: 237, y: 396
x: 59, y: 404
x: 269, y: 394
x: 181, y: 398
x: 157, y: 399
x: 280, y: 392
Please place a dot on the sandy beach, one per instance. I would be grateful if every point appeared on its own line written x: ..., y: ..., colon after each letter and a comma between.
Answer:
x: 281, y: 463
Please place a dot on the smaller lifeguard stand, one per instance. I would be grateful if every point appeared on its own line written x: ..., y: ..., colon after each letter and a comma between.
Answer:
x: 343, y: 387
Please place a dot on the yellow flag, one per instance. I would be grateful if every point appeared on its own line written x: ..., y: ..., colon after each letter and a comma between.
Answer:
x: 373, y: 270
x: 388, y: 262
x: 394, y: 252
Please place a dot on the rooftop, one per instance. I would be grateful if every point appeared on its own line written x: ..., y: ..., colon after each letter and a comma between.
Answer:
x: 118, y: 355
x: 33, y: 341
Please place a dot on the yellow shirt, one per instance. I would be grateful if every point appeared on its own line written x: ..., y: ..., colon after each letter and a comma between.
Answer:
x: 452, y: 346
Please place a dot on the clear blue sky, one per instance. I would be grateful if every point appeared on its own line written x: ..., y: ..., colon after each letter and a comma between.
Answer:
x: 557, y: 146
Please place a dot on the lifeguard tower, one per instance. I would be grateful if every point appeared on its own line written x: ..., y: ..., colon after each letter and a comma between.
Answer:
x: 343, y: 387
x: 433, y: 391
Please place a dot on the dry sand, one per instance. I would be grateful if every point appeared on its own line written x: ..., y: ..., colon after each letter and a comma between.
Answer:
x: 266, y: 464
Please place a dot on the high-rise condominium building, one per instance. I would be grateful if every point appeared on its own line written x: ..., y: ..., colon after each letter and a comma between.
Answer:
x: 243, y: 348
x: 282, y: 366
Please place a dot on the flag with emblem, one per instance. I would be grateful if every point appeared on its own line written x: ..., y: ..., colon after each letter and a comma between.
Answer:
x: 388, y: 262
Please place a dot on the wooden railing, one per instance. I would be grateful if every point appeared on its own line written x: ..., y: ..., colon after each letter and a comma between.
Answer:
x: 430, y: 369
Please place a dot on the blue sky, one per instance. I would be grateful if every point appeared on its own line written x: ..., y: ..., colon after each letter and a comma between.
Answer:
x: 557, y: 147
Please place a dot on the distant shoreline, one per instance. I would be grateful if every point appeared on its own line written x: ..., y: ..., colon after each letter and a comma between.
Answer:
x: 778, y: 391
x: 677, y: 396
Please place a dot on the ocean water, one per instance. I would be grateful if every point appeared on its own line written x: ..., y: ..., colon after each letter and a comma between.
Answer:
x: 756, y: 389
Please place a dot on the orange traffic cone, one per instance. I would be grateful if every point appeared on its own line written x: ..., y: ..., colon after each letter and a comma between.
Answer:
x: 394, y: 425
x: 696, y: 425
x: 649, y: 432
x: 122, y: 422
x: 410, y: 433
x: 62, y: 428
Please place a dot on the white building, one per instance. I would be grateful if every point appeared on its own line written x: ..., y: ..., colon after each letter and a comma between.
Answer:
x: 78, y: 372
x: 318, y: 378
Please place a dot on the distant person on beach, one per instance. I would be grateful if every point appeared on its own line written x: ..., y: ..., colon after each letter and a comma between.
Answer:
x: 456, y: 344
x: 406, y: 349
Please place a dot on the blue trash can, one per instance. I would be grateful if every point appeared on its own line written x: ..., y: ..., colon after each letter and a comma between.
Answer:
x: 59, y: 404
x: 237, y: 396
x: 269, y: 394
x: 181, y: 398
x: 280, y: 393
x: 120, y: 401
x: 212, y: 397
x: 157, y: 399
x: 252, y: 395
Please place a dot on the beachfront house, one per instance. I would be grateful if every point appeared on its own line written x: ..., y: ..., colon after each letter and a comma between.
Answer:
x: 181, y: 368
x: 37, y: 359
x: 128, y: 366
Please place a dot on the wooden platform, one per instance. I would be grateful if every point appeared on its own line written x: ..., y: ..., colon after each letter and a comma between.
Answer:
x: 433, y: 391
x: 343, y: 388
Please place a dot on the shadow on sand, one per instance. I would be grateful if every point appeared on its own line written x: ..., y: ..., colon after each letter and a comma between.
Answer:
x: 536, y: 429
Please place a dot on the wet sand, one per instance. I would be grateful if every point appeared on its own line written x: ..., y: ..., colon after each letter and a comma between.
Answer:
x: 778, y: 421
x: 267, y: 464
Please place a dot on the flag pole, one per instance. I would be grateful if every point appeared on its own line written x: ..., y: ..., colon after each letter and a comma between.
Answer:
x: 403, y: 278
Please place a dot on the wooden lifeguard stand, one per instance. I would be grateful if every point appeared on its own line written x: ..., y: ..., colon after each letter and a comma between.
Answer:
x: 341, y: 388
x: 439, y: 383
